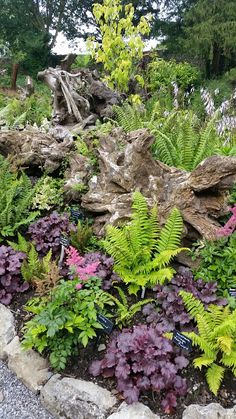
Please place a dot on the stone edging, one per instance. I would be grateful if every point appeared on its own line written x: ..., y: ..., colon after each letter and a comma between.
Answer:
x: 70, y: 398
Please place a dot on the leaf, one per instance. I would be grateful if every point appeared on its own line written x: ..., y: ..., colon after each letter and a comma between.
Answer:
x: 214, y: 377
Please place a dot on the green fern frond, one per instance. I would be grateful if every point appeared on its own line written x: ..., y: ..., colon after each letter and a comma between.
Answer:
x: 203, y: 361
x: 230, y: 361
x: 192, y: 304
x: 214, y: 377
x: 171, y: 233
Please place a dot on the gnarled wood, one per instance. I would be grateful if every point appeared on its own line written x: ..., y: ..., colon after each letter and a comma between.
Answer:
x: 126, y: 165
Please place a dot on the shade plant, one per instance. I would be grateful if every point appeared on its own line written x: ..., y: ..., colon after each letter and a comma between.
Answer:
x: 141, y: 359
x: 168, y: 308
x: 141, y: 251
x: 65, y: 320
x: 215, y: 338
x: 10, y: 274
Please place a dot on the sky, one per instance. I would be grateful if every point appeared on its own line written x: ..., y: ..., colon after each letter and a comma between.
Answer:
x: 63, y: 46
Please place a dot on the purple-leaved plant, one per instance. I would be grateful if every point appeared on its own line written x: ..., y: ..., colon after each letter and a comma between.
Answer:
x: 10, y: 277
x: 171, y: 312
x: 141, y: 359
x: 105, y: 268
x: 46, y: 232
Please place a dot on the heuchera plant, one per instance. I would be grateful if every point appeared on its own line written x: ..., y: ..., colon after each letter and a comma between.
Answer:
x: 104, y: 270
x: 46, y: 232
x: 10, y: 279
x: 230, y: 226
x: 79, y: 266
x: 141, y: 359
x: 172, y: 312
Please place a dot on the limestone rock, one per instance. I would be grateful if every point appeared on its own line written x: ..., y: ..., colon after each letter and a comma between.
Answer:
x: 76, y: 399
x: 7, y: 329
x: 77, y: 174
x: 212, y: 411
x: 133, y: 411
x: 126, y: 165
x: 28, y: 365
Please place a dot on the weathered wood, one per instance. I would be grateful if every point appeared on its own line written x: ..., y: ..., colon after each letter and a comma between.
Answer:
x: 126, y: 165
x: 77, y: 97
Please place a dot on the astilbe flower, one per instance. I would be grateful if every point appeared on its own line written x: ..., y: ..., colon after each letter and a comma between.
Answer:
x: 46, y: 232
x: 79, y: 266
x: 230, y: 226
x: 10, y: 277
x: 141, y: 359
x: 104, y: 270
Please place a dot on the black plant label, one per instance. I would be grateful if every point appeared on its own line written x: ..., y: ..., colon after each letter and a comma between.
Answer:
x: 182, y: 341
x: 76, y: 214
x: 106, y: 323
x: 232, y: 292
x: 64, y: 241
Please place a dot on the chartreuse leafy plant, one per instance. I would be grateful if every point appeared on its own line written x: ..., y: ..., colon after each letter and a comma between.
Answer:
x: 65, y: 319
x: 124, y: 312
x: 42, y: 273
x: 16, y: 196
x: 121, y: 43
x: 141, y: 251
x: 216, y: 339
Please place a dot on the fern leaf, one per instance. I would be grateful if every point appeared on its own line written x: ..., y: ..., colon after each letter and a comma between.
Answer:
x: 192, y: 304
x: 225, y: 343
x: 202, y: 361
x: 214, y: 377
x: 171, y: 233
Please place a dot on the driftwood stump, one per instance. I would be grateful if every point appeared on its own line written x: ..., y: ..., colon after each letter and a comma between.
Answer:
x: 126, y: 165
x: 78, y: 97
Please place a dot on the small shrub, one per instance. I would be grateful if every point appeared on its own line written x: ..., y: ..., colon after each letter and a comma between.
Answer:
x: 65, y: 319
x: 170, y: 311
x: 10, y: 274
x: 141, y: 359
x: 48, y: 194
x: 46, y: 232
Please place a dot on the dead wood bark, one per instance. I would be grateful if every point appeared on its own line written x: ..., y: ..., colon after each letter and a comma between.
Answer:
x: 126, y: 165
x: 77, y: 97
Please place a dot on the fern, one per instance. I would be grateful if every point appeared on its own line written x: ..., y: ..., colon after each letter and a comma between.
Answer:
x: 124, y: 313
x: 16, y: 195
x: 216, y: 338
x: 141, y: 250
x: 181, y: 143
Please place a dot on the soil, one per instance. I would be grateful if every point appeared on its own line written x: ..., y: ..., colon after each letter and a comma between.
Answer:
x: 78, y: 368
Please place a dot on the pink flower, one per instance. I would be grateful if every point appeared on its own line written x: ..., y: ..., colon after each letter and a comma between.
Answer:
x: 230, y: 226
x: 78, y: 266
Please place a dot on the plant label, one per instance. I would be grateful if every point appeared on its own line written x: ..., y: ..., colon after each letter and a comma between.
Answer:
x: 182, y: 341
x: 106, y: 323
x: 64, y: 241
x: 76, y: 215
x: 232, y: 292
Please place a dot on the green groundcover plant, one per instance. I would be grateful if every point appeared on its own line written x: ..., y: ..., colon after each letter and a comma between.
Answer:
x: 65, y: 319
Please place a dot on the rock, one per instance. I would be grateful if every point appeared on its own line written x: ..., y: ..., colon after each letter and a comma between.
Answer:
x: 28, y: 365
x: 212, y: 411
x: 7, y: 329
x: 126, y: 164
x: 133, y: 411
x: 36, y: 149
x: 76, y: 399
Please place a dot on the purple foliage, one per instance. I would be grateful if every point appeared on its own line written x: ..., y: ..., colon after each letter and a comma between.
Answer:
x: 142, y: 359
x: 46, y: 232
x: 104, y: 269
x: 172, y: 312
x: 10, y: 279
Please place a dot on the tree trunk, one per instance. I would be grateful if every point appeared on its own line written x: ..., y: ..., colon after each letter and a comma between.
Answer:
x: 15, y: 68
